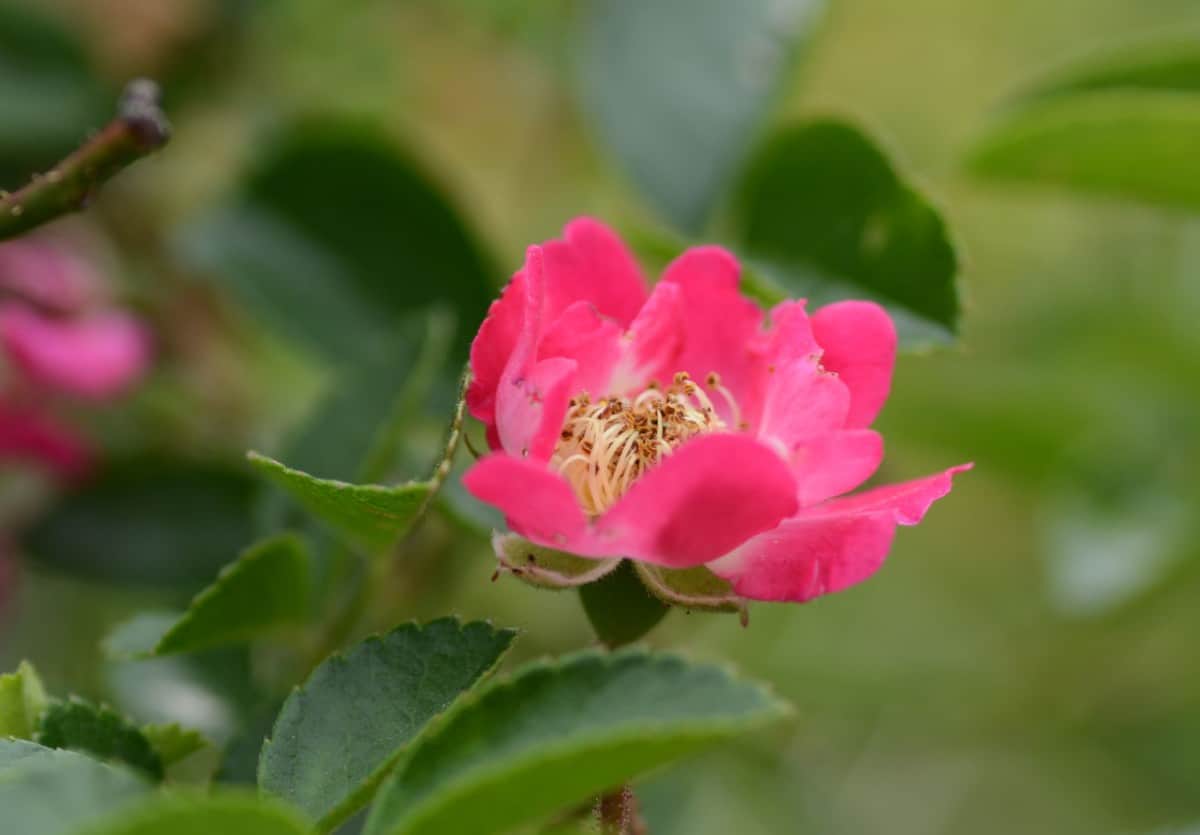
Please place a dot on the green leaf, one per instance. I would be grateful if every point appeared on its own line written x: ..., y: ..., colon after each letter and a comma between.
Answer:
x: 42, y: 61
x: 266, y: 588
x: 336, y: 234
x: 173, y: 743
x: 545, y: 567
x: 558, y: 733
x: 138, y: 636
x: 360, y: 709
x: 619, y: 607
x: 677, y: 89
x: 370, y: 514
x: 99, y: 731
x: 22, y: 700
x: 47, y: 792
x: 165, y: 523
x: 827, y: 216
x: 1132, y: 144
x: 691, y: 588
x: 226, y: 813
x: 1158, y: 64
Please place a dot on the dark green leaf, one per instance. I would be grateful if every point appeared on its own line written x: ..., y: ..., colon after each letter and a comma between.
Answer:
x: 48, y: 792
x: 558, y: 733
x: 826, y: 216
x: 336, y: 235
x: 42, y: 61
x: 360, y: 709
x: 151, y: 523
x: 266, y: 588
x: 99, y: 731
x: 619, y: 607
x: 225, y: 813
x: 546, y: 567
x: 370, y: 514
x: 678, y: 88
x: 1123, y: 143
x: 22, y: 700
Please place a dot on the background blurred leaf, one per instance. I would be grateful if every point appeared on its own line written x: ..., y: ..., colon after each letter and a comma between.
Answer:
x: 1152, y: 64
x: 173, y: 743
x: 49, y: 792
x: 100, y: 731
x: 827, y: 216
x: 42, y: 61
x: 225, y: 812
x: 165, y: 523
x: 360, y: 709
x: 559, y: 732
x: 1121, y: 143
x: 267, y: 587
x: 677, y: 89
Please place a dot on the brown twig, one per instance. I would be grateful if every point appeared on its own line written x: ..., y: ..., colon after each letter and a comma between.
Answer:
x: 139, y: 128
x: 617, y: 813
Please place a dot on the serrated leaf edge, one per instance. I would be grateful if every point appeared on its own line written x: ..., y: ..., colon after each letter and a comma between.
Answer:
x: 775, y: 709
x: 340, y: 812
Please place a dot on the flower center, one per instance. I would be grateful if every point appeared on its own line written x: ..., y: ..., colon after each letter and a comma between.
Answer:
x: 607, y: 444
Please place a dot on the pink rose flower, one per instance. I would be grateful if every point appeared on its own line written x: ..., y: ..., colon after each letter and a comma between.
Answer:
x: 674, y: 426
x: 57, y: 329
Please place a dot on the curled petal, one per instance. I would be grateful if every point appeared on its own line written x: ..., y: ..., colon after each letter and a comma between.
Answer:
x: 592, y: 341
x: 530, y: 409
x: 653, y: 342
x: 835, y: 463
x: 831, y: 546
x: 492, y: 346
x: 96, y: 356
x: 858, y: 341
x: 712, y: 494
x: 538, y: 503
x: 801, y: 402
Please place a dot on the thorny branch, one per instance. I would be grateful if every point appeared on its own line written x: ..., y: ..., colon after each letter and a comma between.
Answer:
x: 140, y: 128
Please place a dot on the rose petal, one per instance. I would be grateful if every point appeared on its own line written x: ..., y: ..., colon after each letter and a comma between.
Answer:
x: 592, y: 341
x: 652, y: 343
x: 47, y: 275
x: 831, y: 546
x: 835, y: 463
x: 492, y: 346
x: 538, y: 504
x: 721, y: 326
x: 859, y: 344
x: 97, y: 356
x: 38, y: 439
x: 590, y: 263
x: 802, y: 402
x: 713, y: 493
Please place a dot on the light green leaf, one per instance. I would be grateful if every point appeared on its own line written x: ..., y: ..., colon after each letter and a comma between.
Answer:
x: 1154, y: 64
x: 99, y: 731
x: 226, y: 813
x: 48, y: 792
x: 557, y: 733
x: 266, y: 588
x: 172, y: 742
x: 545, y: 567
x: 823, y: 214
x: 1139, y: 145
x: 677, y: 89
x: 22, y: 700
x: 370, y: 514
x: 340, y: 733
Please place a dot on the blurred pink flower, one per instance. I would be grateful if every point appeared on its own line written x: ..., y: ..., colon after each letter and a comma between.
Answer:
x: 37, y: 439
x: 97, y: 355
x: 673, y: 426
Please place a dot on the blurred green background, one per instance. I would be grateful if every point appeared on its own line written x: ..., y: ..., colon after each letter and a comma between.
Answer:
x: 1026, y: 660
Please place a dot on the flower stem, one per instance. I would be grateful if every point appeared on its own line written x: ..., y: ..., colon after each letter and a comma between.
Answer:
x: 139, y: 128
